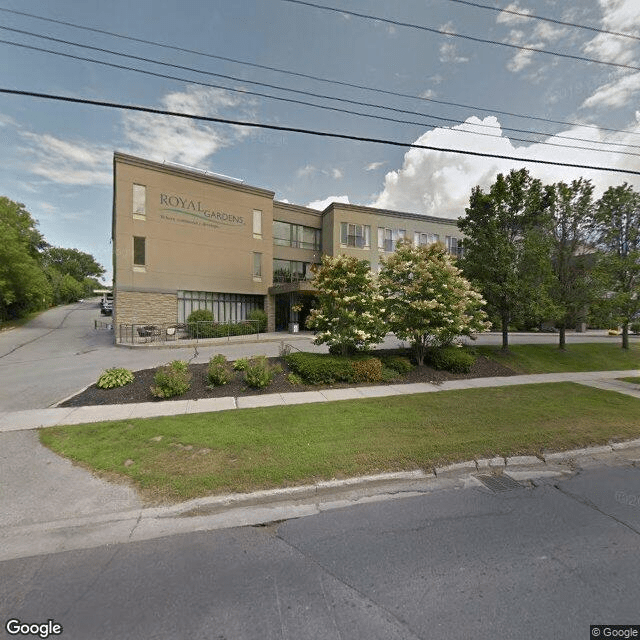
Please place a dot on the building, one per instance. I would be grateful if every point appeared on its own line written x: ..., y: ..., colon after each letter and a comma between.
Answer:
x: 185, y: 239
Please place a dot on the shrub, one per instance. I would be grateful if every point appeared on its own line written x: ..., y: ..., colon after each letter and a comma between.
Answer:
x: 389, y: 375
x: 635, y: 327
x: 112, y: 378
x: 171, y: 380
x: 453, y: 359
x: 218, y: 372
x: 399, y: 364
x: 241, y: 364
x: 200, y: 324
x: 318, y: 368
x: 261, y: 317
x: 294, y: 378
x: 258, y: 374
x: 367, y: 370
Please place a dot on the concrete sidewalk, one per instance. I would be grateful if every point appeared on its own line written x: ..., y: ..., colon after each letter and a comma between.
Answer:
x: 40, y: 418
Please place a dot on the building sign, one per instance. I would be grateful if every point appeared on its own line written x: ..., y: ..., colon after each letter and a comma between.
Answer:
x: 196, y: 212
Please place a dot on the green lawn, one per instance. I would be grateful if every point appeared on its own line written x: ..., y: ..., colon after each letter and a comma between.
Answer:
x: 181, y: 457
x: 547, y: 358
x: 632, y: 380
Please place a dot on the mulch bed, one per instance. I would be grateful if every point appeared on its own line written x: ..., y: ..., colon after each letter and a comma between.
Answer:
x: 139, y: 390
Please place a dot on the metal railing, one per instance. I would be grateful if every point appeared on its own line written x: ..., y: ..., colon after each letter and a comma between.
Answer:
x: 176, y: 332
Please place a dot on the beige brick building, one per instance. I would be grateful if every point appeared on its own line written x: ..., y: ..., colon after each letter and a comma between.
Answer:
x: 185, y: 239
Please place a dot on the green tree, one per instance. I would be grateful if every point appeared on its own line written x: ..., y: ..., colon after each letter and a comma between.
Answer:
x: 23, y: 285
x: 77, y: 264
x: 348, y: 315
x: 617, y: 234
x: 429, y: 302
x: 572, y: 286
x: 505, y: 247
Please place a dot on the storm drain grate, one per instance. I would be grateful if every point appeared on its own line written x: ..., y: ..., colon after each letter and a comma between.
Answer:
x: 500, y: 483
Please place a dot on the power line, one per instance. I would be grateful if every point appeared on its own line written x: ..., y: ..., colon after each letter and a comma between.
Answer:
x: 303, y: 102
x: 453, y: 34
x: 312, y: 132
x: 545, y: 19
x: 316, y: 78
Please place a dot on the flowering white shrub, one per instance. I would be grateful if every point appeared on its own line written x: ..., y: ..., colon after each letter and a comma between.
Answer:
x: 348, y: 316
x: 428, y: 301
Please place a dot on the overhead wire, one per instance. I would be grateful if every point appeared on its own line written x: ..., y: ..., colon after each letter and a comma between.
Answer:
x: 533, y: 16
x: 302, y: 102
x: 453, y: 34
x: 315, y: 77
x: 312, y: 132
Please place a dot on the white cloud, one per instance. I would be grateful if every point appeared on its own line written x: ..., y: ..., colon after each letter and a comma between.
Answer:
x: 306, y: 171
x: 180, y: 139
x: 374, y: 165
x: 538, y: 36
x: 336, y: 174
x: 510, y: 18
x: 321, y: 205
x: 67, y: 162
x: 449, y: 53
x: 616, y: 93
x: 617, y: 15
x: 439, y: 184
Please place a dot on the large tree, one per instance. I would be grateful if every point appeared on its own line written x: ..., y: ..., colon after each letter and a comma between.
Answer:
x: 428, y: 301
x: 77, y: 264
x: 617, y: 234
x: 505, y: 247
x: 23, y: 285
x: 348, y: 314
x: 572, y: 287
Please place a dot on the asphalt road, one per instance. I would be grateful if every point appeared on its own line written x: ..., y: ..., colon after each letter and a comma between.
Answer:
x: 60, y: 352
x: 531, y: 563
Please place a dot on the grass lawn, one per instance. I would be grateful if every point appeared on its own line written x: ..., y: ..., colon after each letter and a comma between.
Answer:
x: 632, y: 380
x: 186, y: 456
x: 547, y: 358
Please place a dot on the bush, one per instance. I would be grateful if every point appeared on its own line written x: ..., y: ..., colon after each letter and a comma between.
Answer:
x: 452, y: 359
x: 367, y: 370
x: 171, y: 380
x: 261, y: 317
x: 635, y: 327
x: 318, y: 368
x: 258, y: 374
x: 294, y: 378
x: 200, y: 324
x: 218, y: 372
x: 240, y: 364
x: 112, y: 378
x: 399, y: 364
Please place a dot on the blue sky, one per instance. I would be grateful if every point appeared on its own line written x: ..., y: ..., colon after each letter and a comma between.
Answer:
x: 57, y: 158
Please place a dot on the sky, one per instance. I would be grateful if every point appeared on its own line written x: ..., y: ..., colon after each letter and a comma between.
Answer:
x: 57, y: 157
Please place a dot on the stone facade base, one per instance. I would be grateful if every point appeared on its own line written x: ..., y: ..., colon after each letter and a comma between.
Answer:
x: 132, y: 307
x: 270, y: 310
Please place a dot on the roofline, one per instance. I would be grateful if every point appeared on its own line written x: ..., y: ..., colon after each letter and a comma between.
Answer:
x: 389, y: 212
x: 298, y: 208
x: 189, y: 173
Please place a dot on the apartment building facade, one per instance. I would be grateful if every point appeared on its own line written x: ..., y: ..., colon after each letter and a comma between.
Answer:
x: 185, y: 239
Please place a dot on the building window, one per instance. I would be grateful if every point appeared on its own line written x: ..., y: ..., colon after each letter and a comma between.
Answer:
x: 355, y: 235
x: 286, y: 234
x: 139, y: 201
x: 420, y: 239
x: 454, y: 246
x: 291, y: 270
x: 257, y: 266
x: 388, y: 238
x: 139, y: 258
x: 257, y: 224
x: 226, y: 307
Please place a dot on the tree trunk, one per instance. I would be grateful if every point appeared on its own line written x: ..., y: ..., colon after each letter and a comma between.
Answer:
x: 505, y: 332
x: 625, y: 335
x: 563, y: 342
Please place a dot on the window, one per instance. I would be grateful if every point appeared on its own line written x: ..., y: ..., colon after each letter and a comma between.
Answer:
x: 286, y: 234
x: 257, y: 265
x: 420, y: 239
x: 355, y: 235
x: 139, y: 201
x: 291, y: 270
x: 454, y: 246
x: 257, y: 224
x: 226, y: 307
x: 388, y: 238
x: 138, y: 251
